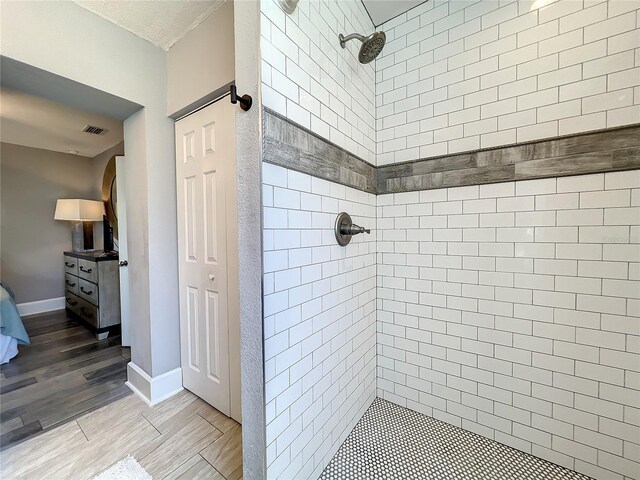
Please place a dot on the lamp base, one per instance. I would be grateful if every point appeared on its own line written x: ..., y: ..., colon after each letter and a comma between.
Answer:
x: 81, y: 236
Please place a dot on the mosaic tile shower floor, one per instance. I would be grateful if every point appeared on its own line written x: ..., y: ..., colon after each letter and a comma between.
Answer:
x: 391, y: 442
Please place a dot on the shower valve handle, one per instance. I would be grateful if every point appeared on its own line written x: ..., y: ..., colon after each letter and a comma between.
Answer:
x: 345, y: 228
x: 353, y: 229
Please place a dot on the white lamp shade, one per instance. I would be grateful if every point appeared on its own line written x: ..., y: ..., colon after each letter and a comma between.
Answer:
x: 79, y: 210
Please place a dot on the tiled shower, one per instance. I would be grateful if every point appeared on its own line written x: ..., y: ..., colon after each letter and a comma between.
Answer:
x: 494, y: 150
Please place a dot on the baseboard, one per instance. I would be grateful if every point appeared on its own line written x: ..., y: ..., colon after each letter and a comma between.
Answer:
x: 153, y: 390
x: 41, y: 306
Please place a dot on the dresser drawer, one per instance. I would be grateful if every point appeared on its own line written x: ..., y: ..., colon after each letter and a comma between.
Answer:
x: 82, y: 308
x: 88, y: 270
x: 88, y: 312
x: 88, y: 291
x: 71, y: 265
x: 72, y: 302
x: 71, y: 283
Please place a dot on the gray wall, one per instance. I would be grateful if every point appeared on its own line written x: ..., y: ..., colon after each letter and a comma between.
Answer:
x: 248, y: 158
x: 202, y: 61
x: 130, y: 68
x: 31, y: 241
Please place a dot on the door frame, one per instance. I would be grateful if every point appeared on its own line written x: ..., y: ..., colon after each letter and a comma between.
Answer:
x: 123, y: 254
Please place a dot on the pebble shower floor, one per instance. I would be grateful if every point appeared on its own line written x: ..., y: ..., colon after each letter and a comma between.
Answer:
x: 391, y: 442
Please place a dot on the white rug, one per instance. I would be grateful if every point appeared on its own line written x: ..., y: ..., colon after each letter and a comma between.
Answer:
x: 126, y: 469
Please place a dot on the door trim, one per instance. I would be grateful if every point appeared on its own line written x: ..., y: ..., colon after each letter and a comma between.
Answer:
x: 123, y: 229
x: 204, y: 102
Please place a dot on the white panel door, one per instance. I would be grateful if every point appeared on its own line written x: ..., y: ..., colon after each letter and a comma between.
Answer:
x: 123, y: 253
x: 205, y: 167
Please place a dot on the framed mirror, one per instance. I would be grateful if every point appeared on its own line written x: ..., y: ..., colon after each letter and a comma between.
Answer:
x: 110, y: 195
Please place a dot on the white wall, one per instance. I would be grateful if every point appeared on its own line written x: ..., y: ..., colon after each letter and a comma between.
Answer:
x: 319, y: 323
x: 78, y: 45
x: 511, y: 310
x: 310, y: 79
x: 202, y: 61
x: 461, y: 75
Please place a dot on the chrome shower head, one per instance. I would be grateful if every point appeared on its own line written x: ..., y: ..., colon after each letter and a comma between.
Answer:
x: 371, y: 45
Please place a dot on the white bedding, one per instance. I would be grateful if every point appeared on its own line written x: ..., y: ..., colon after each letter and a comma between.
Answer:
x: 8, y: 348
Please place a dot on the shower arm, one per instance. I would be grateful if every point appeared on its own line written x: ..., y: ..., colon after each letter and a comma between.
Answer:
x: 344, y: 40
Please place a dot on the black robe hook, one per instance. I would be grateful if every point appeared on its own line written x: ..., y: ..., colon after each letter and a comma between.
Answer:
x: 245, y: 100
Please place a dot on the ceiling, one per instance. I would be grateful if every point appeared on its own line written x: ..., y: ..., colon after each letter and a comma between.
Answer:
x: 35, y: 122
x: 164, y: 22
x: 161, y: 22
x: 382, y: 11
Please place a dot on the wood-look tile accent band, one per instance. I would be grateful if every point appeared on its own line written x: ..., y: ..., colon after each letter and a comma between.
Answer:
x: 291, y: 146
x: 596, y: 152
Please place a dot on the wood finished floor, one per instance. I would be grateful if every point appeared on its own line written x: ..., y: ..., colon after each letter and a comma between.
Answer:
x: 64, y: 373
x: 181, y: 438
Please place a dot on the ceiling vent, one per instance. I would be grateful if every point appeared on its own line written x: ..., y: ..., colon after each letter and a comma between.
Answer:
x: 92, y: 129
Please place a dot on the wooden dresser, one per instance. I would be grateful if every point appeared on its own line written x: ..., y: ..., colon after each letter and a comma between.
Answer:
x: 92, y: 285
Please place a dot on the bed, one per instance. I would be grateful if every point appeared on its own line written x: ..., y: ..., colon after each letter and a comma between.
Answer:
x: 12, y: 332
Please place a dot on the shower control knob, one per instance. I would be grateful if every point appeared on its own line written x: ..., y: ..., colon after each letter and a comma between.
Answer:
x: 345, y: 229
x: 212, y: 277
x: 353, y: 230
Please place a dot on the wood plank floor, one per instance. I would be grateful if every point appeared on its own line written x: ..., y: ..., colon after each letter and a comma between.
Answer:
x: 181, y: 438
x: 64, y: 373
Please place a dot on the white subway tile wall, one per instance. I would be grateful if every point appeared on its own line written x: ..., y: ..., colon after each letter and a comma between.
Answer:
x: 320, y: 319
x: 512, y: 310
x: 310, y: 79
x: 461, y: 75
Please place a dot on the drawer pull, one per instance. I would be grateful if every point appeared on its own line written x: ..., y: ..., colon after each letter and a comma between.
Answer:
x: 73, y: 304
x: 84, y: 312
x: 86, y: 271
x: 70, y: 265
x: 88, y: 292
x: 70, y: 284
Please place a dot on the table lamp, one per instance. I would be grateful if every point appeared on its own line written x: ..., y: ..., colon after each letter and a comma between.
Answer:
x: 81, y: 213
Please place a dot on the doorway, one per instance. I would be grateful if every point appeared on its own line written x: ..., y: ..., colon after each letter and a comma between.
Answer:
x: 71, y: 359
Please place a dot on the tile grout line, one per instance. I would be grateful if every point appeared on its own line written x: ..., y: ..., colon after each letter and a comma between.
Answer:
x: 81, y: 429
x: 209, y: 463
x: 221, y: 432
x: 150, y: 423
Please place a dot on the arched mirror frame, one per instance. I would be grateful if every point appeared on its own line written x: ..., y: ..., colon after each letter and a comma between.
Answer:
x: 110, y: 195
